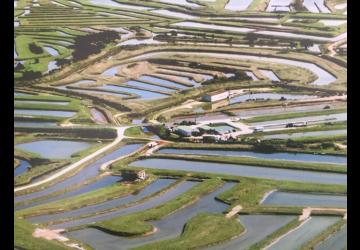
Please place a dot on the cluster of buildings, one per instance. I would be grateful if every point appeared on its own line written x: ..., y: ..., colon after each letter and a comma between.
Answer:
x: 133, y: 175
x: 205, y: 132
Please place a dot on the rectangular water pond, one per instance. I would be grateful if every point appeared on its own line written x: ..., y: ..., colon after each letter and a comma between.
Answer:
x: 22, y: 168
x: 270, y: 156
x: 307, y: 134
x: 54, y: 149
x: 61, y: 103
x: 257, y: 228
x: 116, y: 4
x: 310, y: 119
x: 111, y: 72
x: 270, y: 74
x: 243, y: 170
x: 144, y: 95
x: 270, y: 96
x: 36, y: 112
x: 304, y: 233
x: 30, y: 124
x: 305, y: 199
x: 148, y: 86
x: 213, y: 27
x: 164, y: 82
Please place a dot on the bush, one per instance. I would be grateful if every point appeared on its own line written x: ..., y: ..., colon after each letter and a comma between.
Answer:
x: 35, y: 49
x: 62, y: 61
x: 31, y: 75
x: 294, y: 144
x: 161, y: 118
x: 93, y: 43
x: 161, y: 131
x: 327, y: 145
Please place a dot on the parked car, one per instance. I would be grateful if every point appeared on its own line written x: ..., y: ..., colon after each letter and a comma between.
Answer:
x: 258, y: 129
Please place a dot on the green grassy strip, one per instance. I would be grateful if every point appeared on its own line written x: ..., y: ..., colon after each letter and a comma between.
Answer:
x: 23, y: 238
x: 135, y: 132
x: 294, y: 115
x: 270, y: 238
x: 202, y: 230
x: 325, y: 138
x: 320, y: 127
x: 312, y: 166
x: 323, y: 235
x: 135, y: 224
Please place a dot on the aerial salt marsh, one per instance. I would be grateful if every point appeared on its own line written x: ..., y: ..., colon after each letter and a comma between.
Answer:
x: 243, y: 170
x: 114, y: 72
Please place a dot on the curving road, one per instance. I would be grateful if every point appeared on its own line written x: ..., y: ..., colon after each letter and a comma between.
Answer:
x: 120, y: 136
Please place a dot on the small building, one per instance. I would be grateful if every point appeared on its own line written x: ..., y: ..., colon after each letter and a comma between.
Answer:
x: 342, y: 49
x: 141, y: 174
x: 133, y: 175
x: 185, y: 130
x: 216, y: 96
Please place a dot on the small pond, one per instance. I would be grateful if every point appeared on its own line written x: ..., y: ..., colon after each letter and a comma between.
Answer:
x: 54, y: 149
